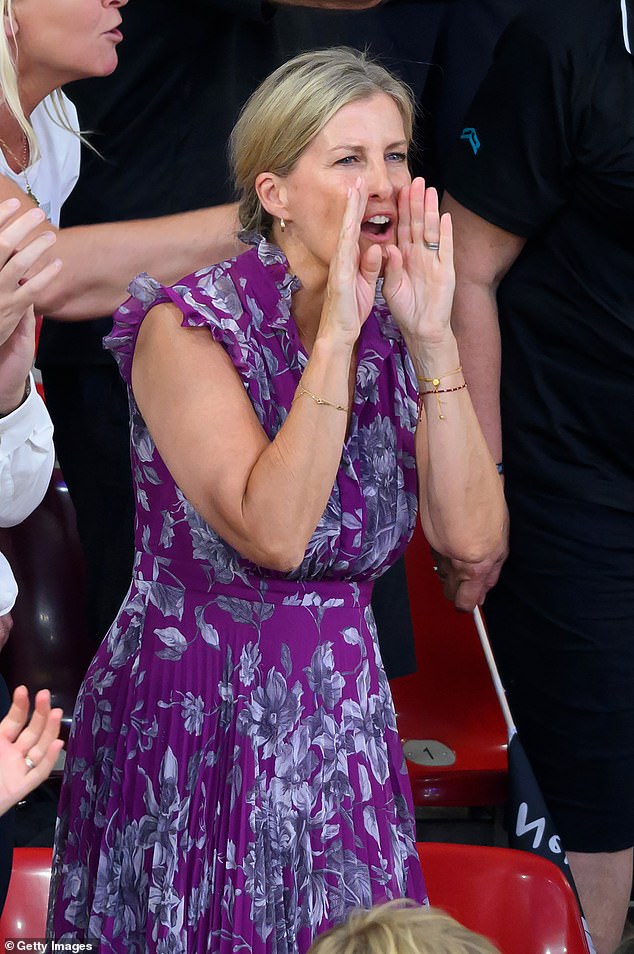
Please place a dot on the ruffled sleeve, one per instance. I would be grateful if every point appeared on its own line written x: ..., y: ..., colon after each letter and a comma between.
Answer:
x: 208, y: 298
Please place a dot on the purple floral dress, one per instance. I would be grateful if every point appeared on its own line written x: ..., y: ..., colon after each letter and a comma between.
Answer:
x: 234, y: 779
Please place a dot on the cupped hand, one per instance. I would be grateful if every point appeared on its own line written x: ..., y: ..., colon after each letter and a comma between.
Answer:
x: 352, y: 276
x: 27, y: 752
x: 419, y: 280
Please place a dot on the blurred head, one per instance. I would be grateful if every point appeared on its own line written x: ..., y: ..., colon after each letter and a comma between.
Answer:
x: 295, y: 106
x: 401, y: 927
x: 46, y: 43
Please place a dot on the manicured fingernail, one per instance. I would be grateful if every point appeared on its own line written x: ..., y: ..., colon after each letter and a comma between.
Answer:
x: 12, y: 204
x: 37, y: 215
x: 49, y: 236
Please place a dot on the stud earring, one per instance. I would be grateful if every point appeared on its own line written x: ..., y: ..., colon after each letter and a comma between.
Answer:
x: 282, y: 225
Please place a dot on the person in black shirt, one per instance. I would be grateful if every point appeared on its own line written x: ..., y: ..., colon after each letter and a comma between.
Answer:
x: 541, y: 192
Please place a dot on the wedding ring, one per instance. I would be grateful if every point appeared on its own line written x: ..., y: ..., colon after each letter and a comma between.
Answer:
x: 30, y: 764
x: 432, y: 246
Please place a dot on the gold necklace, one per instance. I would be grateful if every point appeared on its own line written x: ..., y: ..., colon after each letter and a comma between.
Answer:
x: 23, y: 163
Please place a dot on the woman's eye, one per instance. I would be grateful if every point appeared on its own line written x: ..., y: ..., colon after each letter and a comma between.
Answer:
x: 396, y: 157
x: 346, y: 161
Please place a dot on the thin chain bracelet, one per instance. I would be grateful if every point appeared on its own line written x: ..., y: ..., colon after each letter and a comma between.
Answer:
x: 436, y: 381
x: 319, y: 400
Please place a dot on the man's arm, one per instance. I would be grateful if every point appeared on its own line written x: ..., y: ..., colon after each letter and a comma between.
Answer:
x: 483, y: 254
x: 99, y: 261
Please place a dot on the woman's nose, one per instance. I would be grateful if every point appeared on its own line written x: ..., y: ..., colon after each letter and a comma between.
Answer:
x: 378, y: 181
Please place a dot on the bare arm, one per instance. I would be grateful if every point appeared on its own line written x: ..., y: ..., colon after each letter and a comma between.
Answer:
x: 99, y: 261
x: 461, y: 502
x: 264, y: 497
x: 483, y: 254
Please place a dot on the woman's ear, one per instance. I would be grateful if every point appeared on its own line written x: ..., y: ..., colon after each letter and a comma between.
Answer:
x: 272, y: 194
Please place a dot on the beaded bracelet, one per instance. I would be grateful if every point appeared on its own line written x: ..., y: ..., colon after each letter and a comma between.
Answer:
x: 319, y: 400
x: 436, y: 392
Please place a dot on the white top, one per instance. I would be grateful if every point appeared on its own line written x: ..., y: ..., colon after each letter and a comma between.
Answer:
x: 26, y: 465
x: 26, y: 435
x: 52, y: 177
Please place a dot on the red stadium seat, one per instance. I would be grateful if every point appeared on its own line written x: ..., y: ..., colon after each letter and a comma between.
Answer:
x: 448, y: 714
x: 49, y: 645
x: 24, y: 914
x: 520, y: 901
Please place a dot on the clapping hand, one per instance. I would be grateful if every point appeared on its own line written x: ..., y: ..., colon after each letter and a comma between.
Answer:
x: 419, y: 275
x: 27, y: 752
x: 353, y: 275
x: 21, y: 281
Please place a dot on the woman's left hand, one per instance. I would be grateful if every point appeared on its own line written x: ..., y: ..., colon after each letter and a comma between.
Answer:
x: 419, y: 275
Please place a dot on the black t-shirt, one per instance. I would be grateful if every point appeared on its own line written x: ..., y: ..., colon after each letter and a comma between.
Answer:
x: 548, y: 154
x: 161, y: 123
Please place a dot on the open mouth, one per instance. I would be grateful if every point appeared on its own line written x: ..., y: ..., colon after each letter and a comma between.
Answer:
x: 376, y: 225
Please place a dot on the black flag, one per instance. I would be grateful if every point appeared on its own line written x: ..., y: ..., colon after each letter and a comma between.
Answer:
x: 530, y: 825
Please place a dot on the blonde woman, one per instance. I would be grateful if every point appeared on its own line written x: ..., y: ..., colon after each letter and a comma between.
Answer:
x: 235, y: 780
x: 401, y: 928
x: 44, y: 45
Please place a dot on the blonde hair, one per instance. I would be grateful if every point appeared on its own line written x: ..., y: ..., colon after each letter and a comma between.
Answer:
x: 291, y: 106
x: 9, y: 86
x: 401, y: 927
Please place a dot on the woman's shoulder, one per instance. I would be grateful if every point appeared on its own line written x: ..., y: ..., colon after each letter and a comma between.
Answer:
x: 231, y: 299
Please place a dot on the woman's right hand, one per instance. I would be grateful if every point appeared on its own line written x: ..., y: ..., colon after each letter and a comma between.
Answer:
x: 21, y: 280
x: 352, y: 277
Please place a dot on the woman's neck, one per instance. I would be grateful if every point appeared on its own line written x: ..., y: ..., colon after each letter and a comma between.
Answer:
x: 308, y: 300
x: 13, y: 141
x: 306, y: 309
x: 15, y: 146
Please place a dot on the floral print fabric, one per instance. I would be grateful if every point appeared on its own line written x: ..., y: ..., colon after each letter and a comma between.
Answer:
x: 234, y: 778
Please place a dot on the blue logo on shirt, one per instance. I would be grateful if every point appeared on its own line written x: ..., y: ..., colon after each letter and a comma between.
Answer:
x: 471, y: 136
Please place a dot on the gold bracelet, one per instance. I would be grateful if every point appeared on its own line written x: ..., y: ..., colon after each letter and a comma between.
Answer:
x: 436, y: 381
x: 319, y: 400
x: 436, y: 392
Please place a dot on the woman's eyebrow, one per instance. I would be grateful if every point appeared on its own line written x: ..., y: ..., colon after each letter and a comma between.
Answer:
x: 350, y: 147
